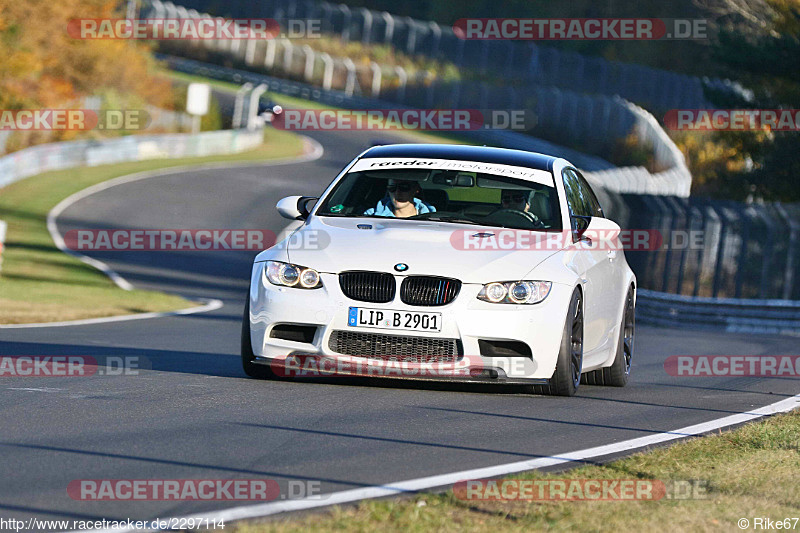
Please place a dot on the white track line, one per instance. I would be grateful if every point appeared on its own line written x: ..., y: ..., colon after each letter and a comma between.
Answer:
x: 315, y: 152
x: 414, y: 485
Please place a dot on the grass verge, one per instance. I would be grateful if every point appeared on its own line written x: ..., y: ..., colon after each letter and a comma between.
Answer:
x: 745, y: 473
x: 39, y: 283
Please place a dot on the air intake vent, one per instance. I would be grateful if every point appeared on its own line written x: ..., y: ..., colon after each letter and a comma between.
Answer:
x: 404, y: 348
x: 376, y: 287
x: 429, y: 290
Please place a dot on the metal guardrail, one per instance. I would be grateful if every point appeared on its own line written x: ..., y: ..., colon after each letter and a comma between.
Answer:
x: 594, y: 121
x: 739, y: 251
x: 56, y: 156
x: 735, y: 315
x: 522, y: 61
x: 674, y: 181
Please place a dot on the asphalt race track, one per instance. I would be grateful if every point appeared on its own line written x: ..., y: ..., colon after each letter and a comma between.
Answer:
x: 195, y: 414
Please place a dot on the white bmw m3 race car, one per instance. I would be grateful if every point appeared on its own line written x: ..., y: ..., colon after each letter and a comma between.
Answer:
x: 446, y: 262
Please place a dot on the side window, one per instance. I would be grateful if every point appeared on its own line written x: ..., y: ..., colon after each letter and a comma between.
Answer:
x: 590, y: 199
x: 575, y: 200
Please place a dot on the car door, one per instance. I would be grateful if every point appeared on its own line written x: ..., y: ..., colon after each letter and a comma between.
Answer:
x: 592, y: 264
x: 607, y: 271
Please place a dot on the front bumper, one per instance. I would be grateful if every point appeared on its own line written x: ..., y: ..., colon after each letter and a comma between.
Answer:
x: 466, y: 319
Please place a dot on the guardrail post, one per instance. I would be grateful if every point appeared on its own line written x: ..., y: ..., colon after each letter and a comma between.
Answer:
x: 723, y: 234
x: 745, y: 241
x: 288, y: 53
x: 327, y: 74
x: 238, y: 106
x: 376, y: 79
x: 269, y: 54
x: 388, y: 35
x: 788, y: 276
x: 411, y: 40
x: 402, y: 79
x: 252, y: 109
x: 366, y: 31
x: 347, y: 19
x: 160, y: 10
x: 350, y: 83
x: 3, y: 227
x: 436, y: 40
x: 308, y: 71
x: 327, y: 17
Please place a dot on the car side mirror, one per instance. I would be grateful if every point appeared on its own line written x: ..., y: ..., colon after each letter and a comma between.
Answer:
x: 580, y: 224
x: 601, y: 229
x: 295, y: 207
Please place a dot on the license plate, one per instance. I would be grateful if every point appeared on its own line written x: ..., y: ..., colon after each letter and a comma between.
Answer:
x: 390, y: 319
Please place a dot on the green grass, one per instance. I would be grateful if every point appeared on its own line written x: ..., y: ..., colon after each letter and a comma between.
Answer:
x: 39, y: 283
x: 748, y: 472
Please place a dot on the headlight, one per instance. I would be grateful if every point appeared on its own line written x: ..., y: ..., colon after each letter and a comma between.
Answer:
x: 288, y: 275
x: 515, y: 292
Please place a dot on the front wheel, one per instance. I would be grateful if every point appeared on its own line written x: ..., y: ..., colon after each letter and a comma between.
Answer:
x: 618, y: 373
x: 567, y: 376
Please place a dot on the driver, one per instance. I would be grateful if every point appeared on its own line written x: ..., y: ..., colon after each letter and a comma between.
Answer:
x: 401, y: 201
x: 515, y: 199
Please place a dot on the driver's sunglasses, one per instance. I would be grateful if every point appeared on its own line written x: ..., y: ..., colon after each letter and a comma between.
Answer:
x: 402, y: 187
x: 513, y: 198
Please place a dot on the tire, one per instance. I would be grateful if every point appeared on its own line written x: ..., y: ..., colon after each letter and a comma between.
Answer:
x: 254, y: 370
x: 567, y: 376
x: 618, y: 373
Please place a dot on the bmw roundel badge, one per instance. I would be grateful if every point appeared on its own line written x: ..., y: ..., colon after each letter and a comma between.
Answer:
x: 401, y: 267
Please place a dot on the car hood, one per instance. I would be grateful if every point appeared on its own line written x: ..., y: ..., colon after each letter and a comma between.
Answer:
x: 428, y: 248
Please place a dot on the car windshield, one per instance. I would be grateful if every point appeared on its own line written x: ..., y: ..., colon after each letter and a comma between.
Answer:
x: 443, y: 195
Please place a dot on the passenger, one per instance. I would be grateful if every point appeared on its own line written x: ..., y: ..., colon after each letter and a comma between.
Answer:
x: 401, y: 201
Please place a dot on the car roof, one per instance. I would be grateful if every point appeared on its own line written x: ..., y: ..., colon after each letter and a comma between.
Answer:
x: 487, y: 154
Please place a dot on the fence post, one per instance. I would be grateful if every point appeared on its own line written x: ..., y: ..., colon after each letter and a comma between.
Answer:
x: 350, y: 84
x: 402, y: 78
x: 437, y: 38
x: 376, y: 79
x: 411, y: 41
x: 238, y: 105
x: 389, y: 33
x: 288, y: 53
x: 252, y: 109
x: 788, y: 276
x: 3, y: 227
x: 366, y: 31
x: 308, y: 71
x: 347, y: 19
x: 327, y: 74
x: 269, y: 54
x: 768, y: 251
